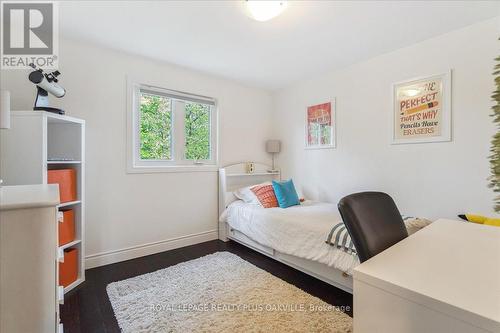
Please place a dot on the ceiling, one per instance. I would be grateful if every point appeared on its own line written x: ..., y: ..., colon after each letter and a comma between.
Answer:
x: 217, y: 37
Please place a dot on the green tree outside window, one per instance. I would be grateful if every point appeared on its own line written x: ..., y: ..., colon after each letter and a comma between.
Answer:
x: 155, y: 127
x: 197, y: 130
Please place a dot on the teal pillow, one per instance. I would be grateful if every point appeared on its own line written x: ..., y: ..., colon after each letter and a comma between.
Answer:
x: 285, y: 193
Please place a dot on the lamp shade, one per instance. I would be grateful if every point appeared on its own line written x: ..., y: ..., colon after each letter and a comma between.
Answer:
x: 273, y: 146
x: 4, y: 109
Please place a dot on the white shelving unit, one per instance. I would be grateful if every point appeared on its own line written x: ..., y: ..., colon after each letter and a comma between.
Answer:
x: 40, y: 141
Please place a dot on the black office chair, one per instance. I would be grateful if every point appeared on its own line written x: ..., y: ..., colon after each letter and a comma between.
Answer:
x: 373, y: 221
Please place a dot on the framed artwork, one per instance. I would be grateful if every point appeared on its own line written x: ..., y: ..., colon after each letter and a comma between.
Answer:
x: 320, y: 126
x: 422, y: 110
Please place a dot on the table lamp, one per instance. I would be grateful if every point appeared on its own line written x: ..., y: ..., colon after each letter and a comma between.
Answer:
x: 273, y: 147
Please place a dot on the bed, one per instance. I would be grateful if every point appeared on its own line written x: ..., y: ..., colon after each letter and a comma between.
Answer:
x: 299, y: 231
x: 235, y: 216
x: 295, y: 236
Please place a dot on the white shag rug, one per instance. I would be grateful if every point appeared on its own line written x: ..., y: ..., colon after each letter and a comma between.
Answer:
x: 219, y: 293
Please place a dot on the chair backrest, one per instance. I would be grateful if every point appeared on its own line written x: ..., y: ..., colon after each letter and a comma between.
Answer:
x: 373, y: 221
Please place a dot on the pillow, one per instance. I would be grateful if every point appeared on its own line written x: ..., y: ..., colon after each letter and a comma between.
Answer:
x: 339, y: 237
x: 247, y: 195
x: 285, y: 193
x: 265, y: 195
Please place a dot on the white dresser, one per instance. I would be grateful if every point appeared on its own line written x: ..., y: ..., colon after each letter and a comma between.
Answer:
x: 444, y: 278
x: 29, y: 293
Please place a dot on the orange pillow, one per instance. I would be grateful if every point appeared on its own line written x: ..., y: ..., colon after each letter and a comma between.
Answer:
x: 265, y: 195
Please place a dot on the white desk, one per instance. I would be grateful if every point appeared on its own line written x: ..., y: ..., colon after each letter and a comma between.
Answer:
x: 444, y: 278
x: 28, y: 259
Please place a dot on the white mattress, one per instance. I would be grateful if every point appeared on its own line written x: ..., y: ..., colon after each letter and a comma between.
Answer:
x: 300, y: 231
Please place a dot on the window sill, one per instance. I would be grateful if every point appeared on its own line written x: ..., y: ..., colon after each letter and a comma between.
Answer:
x: 173, y: 168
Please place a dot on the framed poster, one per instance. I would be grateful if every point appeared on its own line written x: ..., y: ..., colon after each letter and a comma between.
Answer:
x: 320, y: 126
x: 422, y: 110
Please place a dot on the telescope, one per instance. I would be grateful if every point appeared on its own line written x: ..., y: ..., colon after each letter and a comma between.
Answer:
x: 45, y: 83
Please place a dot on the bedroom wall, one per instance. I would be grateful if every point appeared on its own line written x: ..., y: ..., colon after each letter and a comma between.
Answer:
x: 431, y: 180
x: 135, y: 214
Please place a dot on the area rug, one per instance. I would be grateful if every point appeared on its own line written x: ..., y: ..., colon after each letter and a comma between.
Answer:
x: 219, y: 293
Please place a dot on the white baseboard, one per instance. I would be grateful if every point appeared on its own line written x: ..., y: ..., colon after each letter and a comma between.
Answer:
x: 111, y: 257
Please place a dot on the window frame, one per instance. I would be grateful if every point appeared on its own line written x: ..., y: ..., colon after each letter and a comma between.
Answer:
x: 178, y: 162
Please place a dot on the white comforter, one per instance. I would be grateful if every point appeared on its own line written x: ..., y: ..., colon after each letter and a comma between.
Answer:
x: 299, y: 230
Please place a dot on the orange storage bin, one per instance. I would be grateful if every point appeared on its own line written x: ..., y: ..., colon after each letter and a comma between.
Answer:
x: 66, y: 178
x: 68, y: 270
x: 67, y: 227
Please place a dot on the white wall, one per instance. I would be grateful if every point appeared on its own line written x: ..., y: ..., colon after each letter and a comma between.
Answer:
x: 130, y: 210
x: 127, y: 211
x: 432, y: 180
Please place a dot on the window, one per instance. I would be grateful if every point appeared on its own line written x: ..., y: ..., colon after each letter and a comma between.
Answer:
x: 171, y: 129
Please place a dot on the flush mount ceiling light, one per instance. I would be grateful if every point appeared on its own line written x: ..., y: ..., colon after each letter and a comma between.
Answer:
x: 265, y: 10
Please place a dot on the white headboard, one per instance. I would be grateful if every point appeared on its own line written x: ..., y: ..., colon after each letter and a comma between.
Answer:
x: 235, y: 176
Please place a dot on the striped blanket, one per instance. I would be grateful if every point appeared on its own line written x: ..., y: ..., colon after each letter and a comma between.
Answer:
x: 340, y: 238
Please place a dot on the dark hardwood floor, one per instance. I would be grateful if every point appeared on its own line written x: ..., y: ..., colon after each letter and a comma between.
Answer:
x: 87, y: 308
